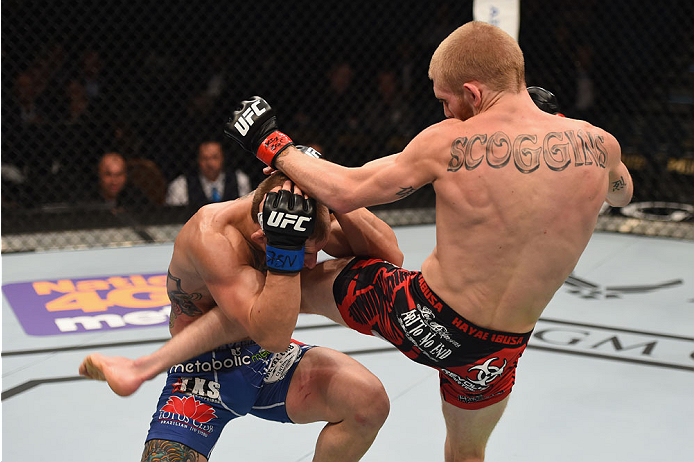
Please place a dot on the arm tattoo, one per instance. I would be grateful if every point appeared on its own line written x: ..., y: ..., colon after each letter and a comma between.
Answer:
x: 169, y: 451
x: 181, y: 302
x: 619, y: 184
x: 404, y: 192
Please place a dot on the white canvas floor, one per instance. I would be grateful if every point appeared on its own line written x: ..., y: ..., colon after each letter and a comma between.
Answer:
x: 607, y: 376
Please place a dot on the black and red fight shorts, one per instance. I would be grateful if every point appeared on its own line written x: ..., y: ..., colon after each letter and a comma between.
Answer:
x: 477, y: 366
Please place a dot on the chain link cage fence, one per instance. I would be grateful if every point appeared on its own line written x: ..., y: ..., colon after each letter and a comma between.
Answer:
x: 154, y: 82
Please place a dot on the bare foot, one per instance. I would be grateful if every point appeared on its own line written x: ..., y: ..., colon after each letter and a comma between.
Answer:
x: 120, y: 373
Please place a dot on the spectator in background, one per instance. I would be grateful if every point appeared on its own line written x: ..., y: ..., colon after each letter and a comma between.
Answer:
x: 341, y: 116
x: 30, y: 98
x: 210, y: 183
x: 26, y: 98
x: 114, y: 190
x: 389, y: 117
x: 125, y: 139
x: 91, y: 74
x: 77, y: 102
x: 338, y: 99
x: 584, y: 105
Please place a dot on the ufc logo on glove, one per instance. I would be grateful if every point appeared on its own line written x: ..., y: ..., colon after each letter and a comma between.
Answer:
x: 287, y: 220
x: 244, y: 123
x: 254, y: 126
x: 281, y: 220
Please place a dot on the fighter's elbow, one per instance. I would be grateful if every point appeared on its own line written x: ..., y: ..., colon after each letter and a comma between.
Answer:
x: 342, y: 204
x: 620, y: 199
x: 397, y: 258
x: 618, y: 202
x: 271, y: 338
x: 275, y: 344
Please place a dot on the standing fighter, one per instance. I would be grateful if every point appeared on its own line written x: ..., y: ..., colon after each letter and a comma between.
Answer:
x: 232, y: 278
x: 518, y: 192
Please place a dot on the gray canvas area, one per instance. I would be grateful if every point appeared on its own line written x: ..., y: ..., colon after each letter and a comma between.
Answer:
x: 608, y: 374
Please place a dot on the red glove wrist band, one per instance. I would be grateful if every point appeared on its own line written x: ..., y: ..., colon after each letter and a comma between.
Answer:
x: 271, y: 146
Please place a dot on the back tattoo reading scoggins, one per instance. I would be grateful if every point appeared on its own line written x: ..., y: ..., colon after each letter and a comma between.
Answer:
x: 556, y: 150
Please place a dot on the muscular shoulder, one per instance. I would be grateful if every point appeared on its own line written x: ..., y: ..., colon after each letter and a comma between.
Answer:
x: 437, y: 138
x: 211, y: 238
x: 605, y: 138
x: 610, y: 141
x: 445, y: 128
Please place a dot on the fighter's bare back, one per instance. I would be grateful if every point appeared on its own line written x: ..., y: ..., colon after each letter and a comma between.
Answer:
x: 518, y: 193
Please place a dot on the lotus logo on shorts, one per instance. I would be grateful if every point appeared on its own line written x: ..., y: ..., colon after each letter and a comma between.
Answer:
x: 189, y: 407
x: 188, y: 412
x: 486, y: 372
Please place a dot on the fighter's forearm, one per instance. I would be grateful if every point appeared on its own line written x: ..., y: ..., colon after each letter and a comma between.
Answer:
x: 329, y: 183
x: 275, y: 312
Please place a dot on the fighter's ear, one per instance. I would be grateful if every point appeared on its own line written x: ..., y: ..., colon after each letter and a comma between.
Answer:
x: 472, y: 93
x: 258, y: 237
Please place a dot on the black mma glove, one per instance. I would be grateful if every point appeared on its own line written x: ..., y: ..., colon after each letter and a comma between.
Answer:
x: 545, y: 100
x: 254, y: 127
x: 287, y: 221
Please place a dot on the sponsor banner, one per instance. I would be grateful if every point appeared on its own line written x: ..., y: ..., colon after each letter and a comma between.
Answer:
x: 652, y: 348
x: 52, y: 307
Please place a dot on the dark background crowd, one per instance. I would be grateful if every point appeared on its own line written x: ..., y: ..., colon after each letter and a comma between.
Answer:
x: 112, y: 112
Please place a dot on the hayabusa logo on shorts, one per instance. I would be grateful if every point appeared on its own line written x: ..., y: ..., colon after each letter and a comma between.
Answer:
x: 188, y: 412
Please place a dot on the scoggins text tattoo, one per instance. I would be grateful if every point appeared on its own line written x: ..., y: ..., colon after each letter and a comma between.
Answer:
x: 557, y: 151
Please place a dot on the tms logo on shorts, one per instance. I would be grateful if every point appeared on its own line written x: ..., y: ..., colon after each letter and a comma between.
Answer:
x: 198, y: 386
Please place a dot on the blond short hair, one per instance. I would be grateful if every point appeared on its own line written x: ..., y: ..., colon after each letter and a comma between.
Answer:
x: 482, y: 52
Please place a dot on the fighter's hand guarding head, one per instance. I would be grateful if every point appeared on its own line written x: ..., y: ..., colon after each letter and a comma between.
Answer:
x: 288, y: 220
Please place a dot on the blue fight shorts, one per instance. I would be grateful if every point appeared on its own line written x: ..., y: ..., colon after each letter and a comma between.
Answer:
x: 202, y: 395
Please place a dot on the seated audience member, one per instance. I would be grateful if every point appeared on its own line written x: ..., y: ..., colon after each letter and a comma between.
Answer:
x: 210, y: 183
x: 114, y: 189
